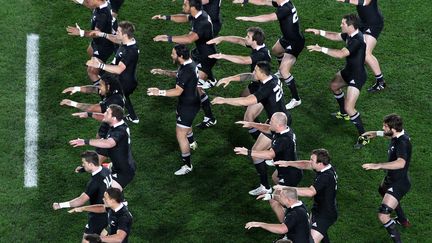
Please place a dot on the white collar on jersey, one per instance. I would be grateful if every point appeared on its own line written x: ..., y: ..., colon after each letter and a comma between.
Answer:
x: 325, y: 168
x: 285, y: 131
x: 354, y: 33
x: 284, y: 2
x: 119, y: 124
x: 118, y: 208
x: 267, y: 79
x: 299, y: 203
x: 188, y: 61
x: 103, y: 5
x: 97, y: 171
x: 259, y: 47
x: 400, y: 134
x: 198, y: 14
x: 133, y: 42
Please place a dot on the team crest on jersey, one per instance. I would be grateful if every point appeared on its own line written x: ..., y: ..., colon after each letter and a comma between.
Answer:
x: 368, y: 31
x: 352, y: 82
x: 96, y: 52
x: 390, y: 189
x: 314, y: 224
x: 289, y: 48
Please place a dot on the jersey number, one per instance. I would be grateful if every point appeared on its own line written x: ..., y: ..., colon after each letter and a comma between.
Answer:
x: 295, y: 16
x: 278, y: 90
x: 108, y: 181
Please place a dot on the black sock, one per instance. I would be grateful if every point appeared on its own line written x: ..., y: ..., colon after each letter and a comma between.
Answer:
x: 379, y: 78
x: 400, y: 214
x: 262, y: 172
x: 390, y: 226
x: 340, y: 98
x: 190, y: 137
x: 186, y: 158
x: 205, y: 104
x: 129, y: 108
x: 290, y: 81
x: 356, y: 120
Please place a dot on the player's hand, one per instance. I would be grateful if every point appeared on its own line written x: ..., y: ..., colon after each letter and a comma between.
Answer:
x: 218, y: 101
x: 215, y: 41
x: 71, y: 90
x: 341, y: 1
x: 94, y: 62
x: 281, y: 163
x: 56, y: 206
x: 157, y: 71
x: 241, y: 150
x: 159, y: 16
x: 371, y: 166
x: 80, y: 114
x: 75, y: 210
x: 244, y: 124
x: 77, y: 142
x: 78, y: 168
x: 370, y: 134
x: 153, y: 92
x: 242, y: 18
x: 313, y: 31
x: 250, y: 225
x: 74, y: 31
x: 238, y: 2
x: 224, y: 81
x: 216, y: 56
x: 315, y: 47
x: 159, y: 38
x: 66, y: 102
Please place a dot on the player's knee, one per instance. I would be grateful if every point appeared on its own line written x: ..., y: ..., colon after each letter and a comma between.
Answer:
x: 385, y: 209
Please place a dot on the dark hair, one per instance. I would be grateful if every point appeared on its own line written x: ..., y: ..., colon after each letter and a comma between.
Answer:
x: 394, y: 121
x: 116, y: 194
x: 322, y: 155
x: 117, y: 111
x: 91, y: 157
x: 128, y: 28
x: 264, y: 66
x: 352, y: 19
x: 182, y: 51
x: 195, y: 3
x: 257, y: 35
x: 113, y: 81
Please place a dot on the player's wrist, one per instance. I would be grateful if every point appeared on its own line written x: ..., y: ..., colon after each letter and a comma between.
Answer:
x: 81, y: 32
x: 73, y: 104
x: 162, y: 93
x: 169, y: 38
x: 324, y: 50
x: 64, y: 205
x: 87, y: 141
x: 90, y: 114
x: 167, y: 17
x: 101, y: 66
x: 322, y: 33
x: 76, y: 89
x: 249, y: 153
x: 380, y: 133
x: 80, y: 1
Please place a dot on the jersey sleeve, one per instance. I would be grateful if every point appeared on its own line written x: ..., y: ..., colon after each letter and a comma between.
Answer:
x: 344, y: 36
x: 290, y: 220
x: 124, y: 223
x: 117, y: 135
x: 402, y: 150
x: 353, y: 46
x: 320, y: 183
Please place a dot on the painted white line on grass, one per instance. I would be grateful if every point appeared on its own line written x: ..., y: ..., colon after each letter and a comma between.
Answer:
x: 31, y: 120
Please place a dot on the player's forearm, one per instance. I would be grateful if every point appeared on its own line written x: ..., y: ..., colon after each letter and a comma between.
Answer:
x: 89, y: 89
x: 262, y: 18
x: 394, y: 165
x: 237, y: 59
x: 246, y: 76
x: 234, y: 39
x: 113, y: 38
x: 261, y: 2
x: 115, y: 69
x: 179, y: 18
x: 262, y: 127
x: 300, y: 164
x: 101, y: 143
x: 88, y: 107
x: 274, y: 228
x: 359, y: 2
x: 97, y: 116
x: 97, y: 208
x: 169, y: 73
x: 334, y: 36
x: 304, y: 192
x: 241, y: 101
x: 264, y: 154
x: 182, y: 39
x: 113, y: 238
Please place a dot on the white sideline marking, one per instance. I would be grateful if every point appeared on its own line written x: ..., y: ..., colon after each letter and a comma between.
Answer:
x: 31, y: 120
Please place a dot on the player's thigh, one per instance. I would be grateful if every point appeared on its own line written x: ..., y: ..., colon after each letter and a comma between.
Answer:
x: 288, y: 61
x: 253, y: 111
x: 351, y: 97
x: 337, y: 82
x: 370, y: 43
x: 317, y: 236
x: 390, y: 201
x: 278, y: 49
x: 262, y: 143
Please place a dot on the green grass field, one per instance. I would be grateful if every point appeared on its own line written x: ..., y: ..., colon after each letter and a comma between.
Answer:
x: 211, y: 204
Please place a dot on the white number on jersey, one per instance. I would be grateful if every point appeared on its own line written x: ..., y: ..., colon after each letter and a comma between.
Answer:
x: 108, y: 181
x: 295, y: 16
x: 278, y: 90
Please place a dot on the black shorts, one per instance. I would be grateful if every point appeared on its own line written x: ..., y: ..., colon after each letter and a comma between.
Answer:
x: 128, y: 87
x: 374, y: 31
x: 102, y: 151
x: 254, y: 86
x: 115, y: 5
x: 397, y: 190
x: 321, y: 224
x: 102, y: 52
x: 290, y: 179
x: 96, y: 223
x: 204, y: 63
x: 186, y: 114
x: 356, y: 81
x: 217, y: 26
x: 123, y: 178
x: 293, y: 48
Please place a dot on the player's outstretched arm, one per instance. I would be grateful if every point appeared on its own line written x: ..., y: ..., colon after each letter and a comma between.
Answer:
x: 177, y: 18
x: 242, y: 60
x: 88, y: 89
x: 254, y: 2
x: 171, y: 74
x: 300, y: 164
x: 397, y: 164
x: 96, y: 116
x: 232, y: 39
x: 96, y: 208
x: 177, y: 91
x: 356, y: 2
x: 260, y: 18
x: 334, y: 36
x: 99, y: 34
x: 76, y: 202
x: 237, y: 78
x: 81, y: 106
x: 262, y: 127
x: 182, y: 39
x: 342, y: 53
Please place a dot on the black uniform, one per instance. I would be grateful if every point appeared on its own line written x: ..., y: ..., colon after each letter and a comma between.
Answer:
x: 128, y: 55
x: 203, y: 27
x: 292, y: 39
x: 397, y: 182
x: 297, y: 221
x: 95, y: 190
x: 102, y: 20
x: 324, y: 209
x: 123, y: 169
x: 116, y: 4
x: 189, y: 101
x: 372, y: 21
x: 270, y: 95
x: 213, y: 10
x: 284, y: 146
x: 354, y: 73
x: 120, y: 220
x: 257, y: 55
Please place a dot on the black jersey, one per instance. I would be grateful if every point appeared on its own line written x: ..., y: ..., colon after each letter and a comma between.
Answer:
x: 100, y: 181
x: 187, y: 79
x: 115, y: 98
x: 121, y: 155
x: 325, y: 185
x: 128, y: 55
x: 399, y: 147
x: 284, y: 147
x: 297, y: 221
x: 289, y: 22
x: 259, y: 54
x: 120, y: 220
x: 270, y: 95
x: 370, y: 15
x: 213, y: 10
x: 103, y: 21
x: 357, y: 49
x: 203, y: 27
